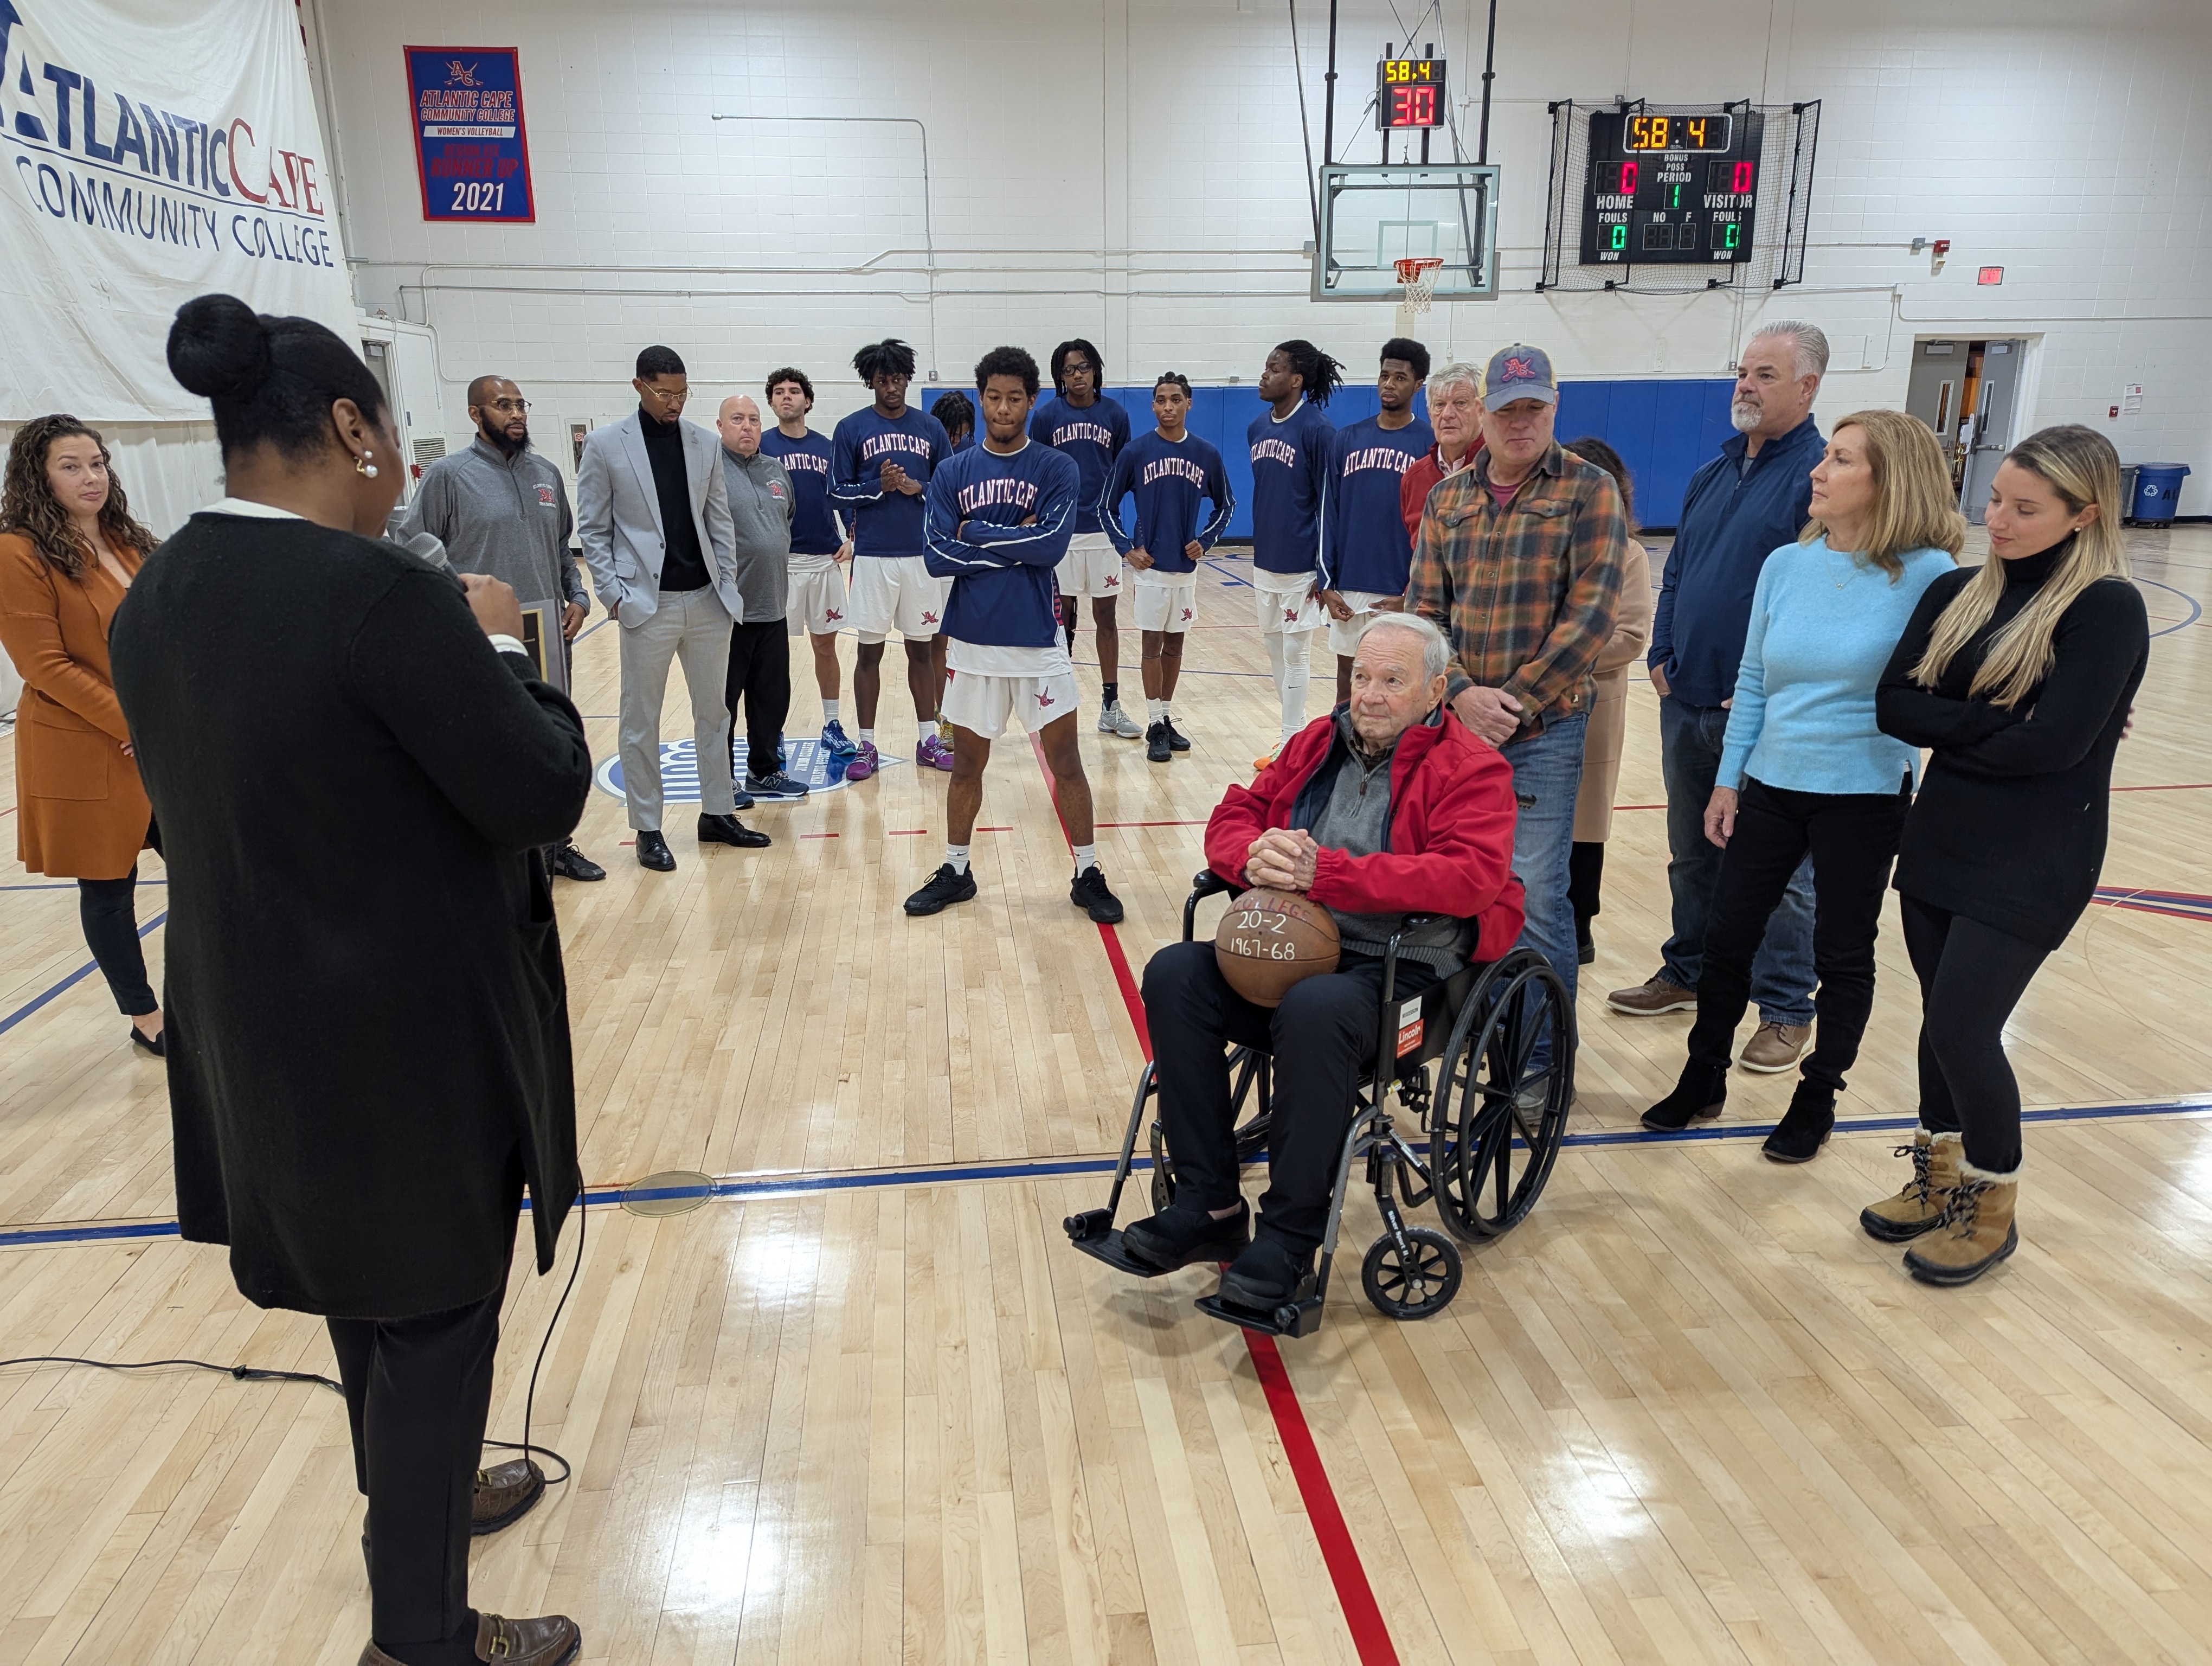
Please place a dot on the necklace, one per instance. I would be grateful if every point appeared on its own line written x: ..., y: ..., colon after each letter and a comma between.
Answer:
x: 1849, y: 564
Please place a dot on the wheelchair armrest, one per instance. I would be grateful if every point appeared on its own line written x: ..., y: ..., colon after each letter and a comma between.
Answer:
x: 1204, y: 883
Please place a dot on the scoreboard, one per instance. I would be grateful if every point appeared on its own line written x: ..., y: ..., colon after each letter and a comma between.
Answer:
x: 1671, y: 190
x: 1409, y: 93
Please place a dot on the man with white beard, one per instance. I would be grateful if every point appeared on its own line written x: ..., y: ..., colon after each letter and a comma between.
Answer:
x: 1741, y: 506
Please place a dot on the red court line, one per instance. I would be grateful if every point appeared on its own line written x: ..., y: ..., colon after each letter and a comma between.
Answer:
x: 1363, y: 1617
x: 2177, y: 787
x: 994, y: 830
x: 1639, y: 807
x: 1148, y: 824
x: 895, y: 832
x: 818, y: 835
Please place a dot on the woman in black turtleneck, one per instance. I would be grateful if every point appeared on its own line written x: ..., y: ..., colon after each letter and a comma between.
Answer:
x: 2018, y: 674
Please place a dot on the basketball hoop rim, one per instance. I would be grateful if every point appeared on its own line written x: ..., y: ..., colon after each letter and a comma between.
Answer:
x: 1411, y: 268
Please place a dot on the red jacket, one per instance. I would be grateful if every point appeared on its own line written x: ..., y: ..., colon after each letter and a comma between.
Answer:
x: 1451, y: 831
x: 1418, y: 481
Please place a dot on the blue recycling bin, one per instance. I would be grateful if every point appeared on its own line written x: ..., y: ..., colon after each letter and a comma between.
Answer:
x: 2158, y: 489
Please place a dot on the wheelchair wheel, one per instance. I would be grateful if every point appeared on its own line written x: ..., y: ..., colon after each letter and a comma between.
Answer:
x: 1411, y: 1289
x: 1498, y: 1123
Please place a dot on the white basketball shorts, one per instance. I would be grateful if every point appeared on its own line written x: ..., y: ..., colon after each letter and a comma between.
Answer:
x: 819, y: 601
x: 981, y: 704
x: 896, y: 592
x: 1285, y: 602
x: 1168, y: 603
x: 1344, y: 634
x: 1091, y: 567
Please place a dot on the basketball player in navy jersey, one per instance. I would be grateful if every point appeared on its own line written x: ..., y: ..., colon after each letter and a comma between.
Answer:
x: 1092, y: 429
x: 1168, y: 471
x: 1365, y: 549
x: 996, y: 521
x: 1290, y: 444
x: 819, y: 550
x: 880, y: 462
x: 958, y: 416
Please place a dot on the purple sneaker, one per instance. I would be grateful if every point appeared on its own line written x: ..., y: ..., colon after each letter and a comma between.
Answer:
x: 865, y: 761
x: 933, y: 754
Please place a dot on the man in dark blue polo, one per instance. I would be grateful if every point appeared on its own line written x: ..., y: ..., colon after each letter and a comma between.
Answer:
x: 1741, y: 507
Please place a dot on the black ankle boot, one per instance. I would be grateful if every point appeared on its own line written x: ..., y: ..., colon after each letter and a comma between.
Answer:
x: 1699, y: 1094
x: 1805, y: 1127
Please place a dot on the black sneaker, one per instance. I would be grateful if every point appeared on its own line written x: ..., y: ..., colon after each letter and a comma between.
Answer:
x: 1177, y: 1236
x: 1177, y: 740
x: 1158, y: 746
x: 1090, y: 894
x: 777, y: 786
x: 570, y: 863
x: 1268, y: 1274
x: 946, y: 887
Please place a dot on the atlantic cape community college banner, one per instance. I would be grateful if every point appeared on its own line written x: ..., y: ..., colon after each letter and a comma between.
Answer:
x: 470, y: 146
x: 147, y: 163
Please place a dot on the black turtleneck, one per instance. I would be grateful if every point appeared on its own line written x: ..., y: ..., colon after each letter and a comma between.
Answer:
x: 683, y: 564
x: 2009, y: 827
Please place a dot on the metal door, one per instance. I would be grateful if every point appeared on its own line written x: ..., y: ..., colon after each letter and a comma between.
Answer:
x: 1992, y: 435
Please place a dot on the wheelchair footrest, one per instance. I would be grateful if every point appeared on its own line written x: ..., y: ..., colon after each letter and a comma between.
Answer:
x: 1103, y: 1242
x: 1301, y: 1317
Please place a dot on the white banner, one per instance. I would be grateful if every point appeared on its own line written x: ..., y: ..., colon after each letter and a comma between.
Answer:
x: 148, y: 160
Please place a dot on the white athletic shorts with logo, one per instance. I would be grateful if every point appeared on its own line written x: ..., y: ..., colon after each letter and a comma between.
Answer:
x: 896, y: 592
x: 1344, y: 634
x: 987, y: 684
x: 819, y: 602
x: 1091, y: 567
x: 1286, y: 602
x: 1167, y: 602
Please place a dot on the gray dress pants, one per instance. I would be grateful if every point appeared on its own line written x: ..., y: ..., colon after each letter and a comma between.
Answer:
x: 693, y: 626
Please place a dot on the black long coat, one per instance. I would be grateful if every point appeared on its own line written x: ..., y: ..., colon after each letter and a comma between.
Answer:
x: 368, y: 1019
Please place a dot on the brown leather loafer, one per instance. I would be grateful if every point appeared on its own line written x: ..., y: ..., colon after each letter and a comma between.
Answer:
x: 553, y: 1639
x: 505, y: 1494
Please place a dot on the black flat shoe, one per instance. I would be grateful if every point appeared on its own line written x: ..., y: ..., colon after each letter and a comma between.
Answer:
x: 1698, y: 1096
x: 155, y: 1046
x: 1268, y: 1274
x: 728, y: 829
x: 1804, y: 1128
x: 652, y: 852
x: 1177, y: 1236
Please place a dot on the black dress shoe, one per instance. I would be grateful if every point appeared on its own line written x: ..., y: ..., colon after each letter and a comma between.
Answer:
x: 652, y: 852
x: 570, y: 863
x: 728, y: 829
x: 153, y: 1046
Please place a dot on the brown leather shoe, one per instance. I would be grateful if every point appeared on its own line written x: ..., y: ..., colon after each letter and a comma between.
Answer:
x: 551, y: 1640
x: 505, y: 1494
x: 1776, y: 1048
x: 1655, y: 994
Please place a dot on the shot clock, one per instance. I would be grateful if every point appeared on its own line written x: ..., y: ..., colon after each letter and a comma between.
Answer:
x: 1409, y: 94
x: 1679, y: 188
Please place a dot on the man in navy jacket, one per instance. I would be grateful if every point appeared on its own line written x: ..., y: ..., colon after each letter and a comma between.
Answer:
x: 1740, y: 508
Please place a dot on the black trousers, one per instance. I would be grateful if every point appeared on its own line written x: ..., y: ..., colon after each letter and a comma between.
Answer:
x: 108, y: 911
x: 1585, y: 878
x: 760, y: 676
x: 1852, y: 839
x: 1321, y: 1036
x: 1972, y: 976
x: 417, y: 1394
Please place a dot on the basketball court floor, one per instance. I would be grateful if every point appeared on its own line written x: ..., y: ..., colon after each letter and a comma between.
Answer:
x: 866, y: 1404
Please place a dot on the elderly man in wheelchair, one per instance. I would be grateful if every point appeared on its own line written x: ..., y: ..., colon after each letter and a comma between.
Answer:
x: 1399, y: 821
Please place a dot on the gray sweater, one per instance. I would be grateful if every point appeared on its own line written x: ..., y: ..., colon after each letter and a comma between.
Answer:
x: 506, y: 517
x: 760, y: 504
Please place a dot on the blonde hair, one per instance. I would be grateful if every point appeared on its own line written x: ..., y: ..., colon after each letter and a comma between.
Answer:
x: 1913, y: 506
x: 2080, y: 464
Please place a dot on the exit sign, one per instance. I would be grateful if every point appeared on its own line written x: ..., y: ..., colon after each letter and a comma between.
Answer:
x: 1990, y: 275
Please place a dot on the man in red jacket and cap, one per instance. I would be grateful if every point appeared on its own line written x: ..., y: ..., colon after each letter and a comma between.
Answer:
x: 1382, y: 808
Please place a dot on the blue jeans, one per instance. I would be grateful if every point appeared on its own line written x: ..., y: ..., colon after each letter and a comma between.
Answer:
x: 1547, y: 774
x: 1782, y: 972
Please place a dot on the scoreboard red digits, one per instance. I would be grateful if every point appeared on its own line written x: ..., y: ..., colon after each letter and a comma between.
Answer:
x: 1677, y: 188
x: 1409, y: 94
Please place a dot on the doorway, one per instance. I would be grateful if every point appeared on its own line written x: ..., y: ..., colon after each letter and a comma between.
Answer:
x: 1968, y: 391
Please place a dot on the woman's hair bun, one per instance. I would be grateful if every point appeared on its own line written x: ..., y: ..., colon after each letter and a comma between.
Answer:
x: 219, y: 348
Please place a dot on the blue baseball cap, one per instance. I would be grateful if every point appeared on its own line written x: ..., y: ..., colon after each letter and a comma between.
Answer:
x: 1519, y: 372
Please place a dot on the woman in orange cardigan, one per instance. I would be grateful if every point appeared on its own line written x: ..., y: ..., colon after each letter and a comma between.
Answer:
x: 69, y: 550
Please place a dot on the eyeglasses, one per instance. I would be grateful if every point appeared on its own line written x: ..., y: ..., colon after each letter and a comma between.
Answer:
x: 669, y: 397
x: 513, y: 406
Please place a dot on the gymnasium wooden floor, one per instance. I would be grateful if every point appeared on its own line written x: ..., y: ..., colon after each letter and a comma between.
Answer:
x: 867, y: 1405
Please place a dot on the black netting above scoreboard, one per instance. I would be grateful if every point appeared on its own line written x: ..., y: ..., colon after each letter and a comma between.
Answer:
x: 1607, y: 222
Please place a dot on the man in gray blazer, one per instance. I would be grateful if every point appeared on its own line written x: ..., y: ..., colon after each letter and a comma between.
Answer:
x: 653, y: 513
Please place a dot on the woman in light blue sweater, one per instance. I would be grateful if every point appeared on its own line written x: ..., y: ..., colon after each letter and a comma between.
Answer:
x: 1805, y: 770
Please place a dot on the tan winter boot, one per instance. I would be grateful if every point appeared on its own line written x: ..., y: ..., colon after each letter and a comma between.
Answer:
x: 1976, y: 1229
x: 1908, y: 1213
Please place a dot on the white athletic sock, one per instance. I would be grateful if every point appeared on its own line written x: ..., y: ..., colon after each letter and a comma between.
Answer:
x: 928, y: 732
x: 1156, y: 711
x: 955, y: 857
x: 1294, y: 672
x: 867, y: 737
x: 829, y: 713
x: 1086, y: 858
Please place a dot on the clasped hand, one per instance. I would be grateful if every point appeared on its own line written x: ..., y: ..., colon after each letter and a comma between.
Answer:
x: 1282, y: 859
x: 1491, y: 712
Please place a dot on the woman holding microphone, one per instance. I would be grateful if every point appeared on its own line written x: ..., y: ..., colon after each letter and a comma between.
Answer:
x: 1805, y: 769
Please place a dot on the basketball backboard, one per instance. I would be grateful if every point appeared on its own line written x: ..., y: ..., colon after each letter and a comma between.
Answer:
x: 1374, y: 214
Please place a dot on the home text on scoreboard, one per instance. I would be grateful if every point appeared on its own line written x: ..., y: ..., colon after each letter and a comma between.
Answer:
x: 1677, y: 189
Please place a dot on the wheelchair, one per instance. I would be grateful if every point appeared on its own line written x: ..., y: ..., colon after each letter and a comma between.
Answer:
x: 1493, y: 1129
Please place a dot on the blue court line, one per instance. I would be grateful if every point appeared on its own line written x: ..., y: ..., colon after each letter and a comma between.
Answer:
x: 742, y: 1187
x: 589, y: 629
x: 1227, y: 577
x: 68, y: 983
x: 2196, y: 607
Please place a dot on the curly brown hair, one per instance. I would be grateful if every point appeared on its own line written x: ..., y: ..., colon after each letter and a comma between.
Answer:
x: 27, y: 504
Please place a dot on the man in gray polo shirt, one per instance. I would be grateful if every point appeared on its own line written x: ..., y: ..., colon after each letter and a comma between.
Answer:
x: 501, y: 507
x: 761, y: 505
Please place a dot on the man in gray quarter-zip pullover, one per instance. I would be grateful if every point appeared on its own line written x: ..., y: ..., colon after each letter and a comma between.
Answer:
x: 760, y: 506
x: 501, y: 507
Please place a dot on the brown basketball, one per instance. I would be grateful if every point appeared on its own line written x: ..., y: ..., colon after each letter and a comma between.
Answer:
x: 1270, y: 939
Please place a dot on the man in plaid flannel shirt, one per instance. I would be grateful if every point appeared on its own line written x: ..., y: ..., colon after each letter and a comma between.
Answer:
x: 1519, y: 560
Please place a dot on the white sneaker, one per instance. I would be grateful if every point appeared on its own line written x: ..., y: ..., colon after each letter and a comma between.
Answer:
x: 1116, y: 722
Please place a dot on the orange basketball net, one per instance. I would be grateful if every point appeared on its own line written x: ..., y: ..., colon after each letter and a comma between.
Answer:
x: 1418, y: 273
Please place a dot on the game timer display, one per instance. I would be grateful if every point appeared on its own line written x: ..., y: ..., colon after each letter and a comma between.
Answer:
x: 1671, y: 190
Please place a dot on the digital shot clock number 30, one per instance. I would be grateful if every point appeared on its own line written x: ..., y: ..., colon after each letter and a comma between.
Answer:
x: 1679, y: 188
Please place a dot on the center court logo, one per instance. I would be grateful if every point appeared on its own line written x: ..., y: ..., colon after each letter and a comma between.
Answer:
x: 803, y: 760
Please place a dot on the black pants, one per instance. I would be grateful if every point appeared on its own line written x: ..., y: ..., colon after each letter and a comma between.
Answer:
x: 417, y: 1394
x: 1321, y: 1036
x: 1585, y: 876
x: 1852, y: 839
x: 760, y: 676
x: 1972, y: 976
x: 108, y: 910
